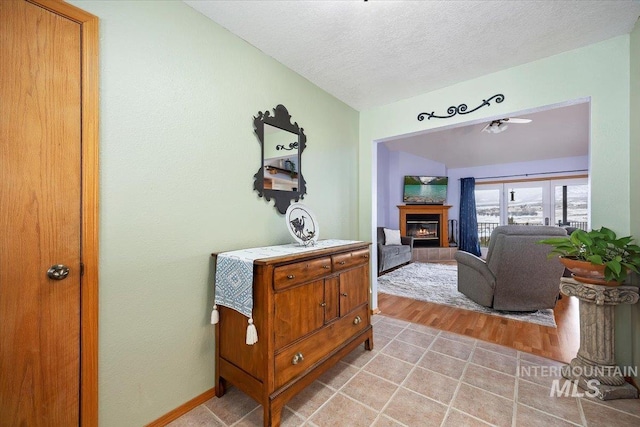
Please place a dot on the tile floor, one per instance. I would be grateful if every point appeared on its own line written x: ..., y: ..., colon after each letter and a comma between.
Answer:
x: 420, y: 376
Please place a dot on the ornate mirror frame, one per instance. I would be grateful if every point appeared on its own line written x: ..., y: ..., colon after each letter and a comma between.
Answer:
x: 281, y: 119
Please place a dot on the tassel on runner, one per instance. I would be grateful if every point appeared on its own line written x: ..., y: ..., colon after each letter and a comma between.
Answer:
x: 252, y: 333
x: 215, y: 316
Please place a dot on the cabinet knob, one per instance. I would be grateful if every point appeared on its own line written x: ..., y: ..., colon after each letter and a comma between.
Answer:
x: 357, y: 320
x: 342, y: 262
x: 344, y: 294
x: 291, y: 276
x: 326, y: 267
x: 297, y: 358
x: 365, y: 256
x: 323, y: 304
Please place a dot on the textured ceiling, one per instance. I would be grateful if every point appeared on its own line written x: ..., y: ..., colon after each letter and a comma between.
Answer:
x: 372, y: 53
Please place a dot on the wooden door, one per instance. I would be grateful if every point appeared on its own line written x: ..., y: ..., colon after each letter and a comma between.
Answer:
x: 41, y: 215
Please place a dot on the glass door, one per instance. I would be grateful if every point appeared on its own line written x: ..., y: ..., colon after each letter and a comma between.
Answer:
x: 528, y: 203
x: 544, y: 202
x: 571, y: 202
x: 489, y: 211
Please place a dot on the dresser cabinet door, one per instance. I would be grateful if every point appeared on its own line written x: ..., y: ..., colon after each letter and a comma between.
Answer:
x: 298, y: 311
x: 354, y: 288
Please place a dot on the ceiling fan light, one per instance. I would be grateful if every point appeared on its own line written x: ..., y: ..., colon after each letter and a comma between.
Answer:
x: 495, y: 127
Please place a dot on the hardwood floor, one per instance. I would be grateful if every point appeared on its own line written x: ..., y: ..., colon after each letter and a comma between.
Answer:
x: 559, y: 343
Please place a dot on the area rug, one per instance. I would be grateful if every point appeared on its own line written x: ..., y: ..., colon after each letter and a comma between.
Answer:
x: 438, y: 283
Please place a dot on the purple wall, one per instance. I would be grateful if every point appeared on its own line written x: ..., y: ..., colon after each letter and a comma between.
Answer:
x: 397, y: 164
x: 392, y: 166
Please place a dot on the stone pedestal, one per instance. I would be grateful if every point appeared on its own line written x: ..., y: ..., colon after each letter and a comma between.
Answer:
x: 594, y: 368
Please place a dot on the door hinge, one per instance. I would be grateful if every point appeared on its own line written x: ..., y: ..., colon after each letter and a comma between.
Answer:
x: 81, y: 269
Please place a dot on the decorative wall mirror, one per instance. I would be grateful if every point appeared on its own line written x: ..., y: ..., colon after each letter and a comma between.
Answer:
x: 280, y: 174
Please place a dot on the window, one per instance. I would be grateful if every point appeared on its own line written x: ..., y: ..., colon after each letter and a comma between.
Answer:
x: 488, y: 210
x: 571, y: 204
x: 543, y: 202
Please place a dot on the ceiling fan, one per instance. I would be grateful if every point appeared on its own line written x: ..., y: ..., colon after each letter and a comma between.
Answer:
x: 500, y: 125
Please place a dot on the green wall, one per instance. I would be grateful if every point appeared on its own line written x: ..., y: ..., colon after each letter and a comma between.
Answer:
x: 178, y: 155
x: 177, y: 96
x: 634, y: 158
x: 600, y: 72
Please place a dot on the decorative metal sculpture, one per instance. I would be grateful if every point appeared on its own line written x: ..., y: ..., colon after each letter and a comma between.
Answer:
x: 461, y: 109
x: 292, y: 146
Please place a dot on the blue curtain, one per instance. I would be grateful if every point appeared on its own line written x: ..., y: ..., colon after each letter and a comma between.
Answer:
x: 469, y: 241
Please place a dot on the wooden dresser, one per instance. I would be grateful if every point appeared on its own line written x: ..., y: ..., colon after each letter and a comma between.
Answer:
x: 310, y: 310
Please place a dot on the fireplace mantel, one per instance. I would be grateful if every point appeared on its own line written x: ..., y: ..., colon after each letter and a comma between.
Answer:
x: 441, y: 210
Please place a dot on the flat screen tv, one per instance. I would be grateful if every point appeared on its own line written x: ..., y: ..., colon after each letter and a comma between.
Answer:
x: 425, y: 190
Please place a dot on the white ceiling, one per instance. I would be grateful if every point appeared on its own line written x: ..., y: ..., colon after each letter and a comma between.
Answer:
x: 372, y: 53
x: 553, y: 133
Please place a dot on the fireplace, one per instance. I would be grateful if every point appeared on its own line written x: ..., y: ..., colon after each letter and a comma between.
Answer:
x: 425, y: 229
x: 427, y: 224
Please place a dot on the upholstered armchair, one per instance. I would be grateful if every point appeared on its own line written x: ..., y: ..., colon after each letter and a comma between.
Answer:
x: 393, y: 254
x: 517, y: 275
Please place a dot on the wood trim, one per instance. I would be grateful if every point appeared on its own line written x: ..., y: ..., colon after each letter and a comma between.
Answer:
x: 441, y: 210
x: 551, y: 178
x: 183, y: 409
x: 89, y: 205
x: 375, y: 311
x: 90, y: 224
x: 59, y: 7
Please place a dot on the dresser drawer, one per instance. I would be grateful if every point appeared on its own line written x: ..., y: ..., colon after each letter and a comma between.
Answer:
x: 300, y: 272
x: 349, y: 259
x: 300, y: 356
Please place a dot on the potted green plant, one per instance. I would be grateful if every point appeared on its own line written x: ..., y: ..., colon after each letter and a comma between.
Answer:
x: 597, y: 256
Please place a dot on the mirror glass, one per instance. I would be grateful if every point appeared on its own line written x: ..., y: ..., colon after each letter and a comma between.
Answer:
x: 282, y: 143
x: 280, y: 159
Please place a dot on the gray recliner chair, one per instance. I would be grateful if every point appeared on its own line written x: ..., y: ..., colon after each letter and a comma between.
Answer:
x: 517, y: 275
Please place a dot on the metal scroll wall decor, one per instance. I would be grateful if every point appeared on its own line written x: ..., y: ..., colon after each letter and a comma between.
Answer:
x: 461, y: 109
x: 282, y: 143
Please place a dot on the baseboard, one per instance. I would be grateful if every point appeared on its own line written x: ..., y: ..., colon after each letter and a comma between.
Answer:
x: 183, y: 409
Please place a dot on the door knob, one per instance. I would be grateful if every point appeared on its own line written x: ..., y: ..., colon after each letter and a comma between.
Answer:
x: 58, y: 272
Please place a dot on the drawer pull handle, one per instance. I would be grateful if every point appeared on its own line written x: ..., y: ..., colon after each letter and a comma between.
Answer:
x: 365, y: 256
x: 291, y: 276
x: 297, y: 358
x: 357, y: 320
x: 342, y: 262
x: 344, y: 294
x: 326, y: 267
x: 323, y: 304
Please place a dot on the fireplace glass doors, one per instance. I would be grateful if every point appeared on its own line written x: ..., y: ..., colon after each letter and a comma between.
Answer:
x: 424, y: 228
